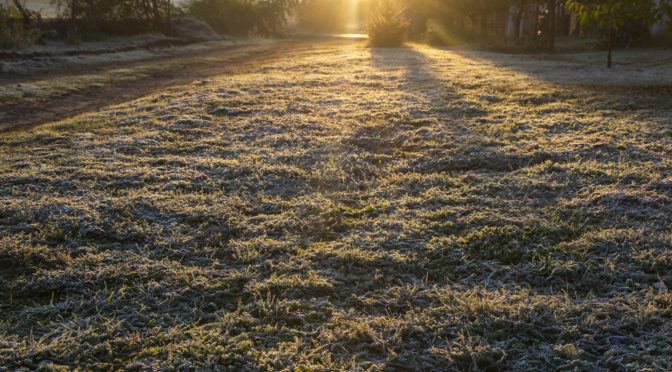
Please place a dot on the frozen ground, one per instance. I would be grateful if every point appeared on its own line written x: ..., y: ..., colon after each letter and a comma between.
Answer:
x: 350, y: 208
x: 38, y: 89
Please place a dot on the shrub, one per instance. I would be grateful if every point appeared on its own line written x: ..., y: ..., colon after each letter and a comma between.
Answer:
x: 322, y: 15
x: 271, y: 15
x: 232, y: 17
x: 388, y: 25
x: 115, y: 17
x: 241, y: 17
x: 15, y: 30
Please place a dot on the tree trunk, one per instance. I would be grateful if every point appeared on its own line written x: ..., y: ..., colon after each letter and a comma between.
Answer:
x: 483, y: 26
x: 21, y: 9
x: 612, y: 36
x: 25, y: 14
x: 551, y: 26
x: 517, y: 19
x: 563, y: 26
x: 537, y: 25
x: 474, y: 27
x: 169, y: 22
x: 73, y: 19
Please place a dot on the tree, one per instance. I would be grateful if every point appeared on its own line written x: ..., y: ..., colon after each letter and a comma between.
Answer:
x: 27, y: 16
x: 520, y: 6
x: 388, y: 26
x: 612, y: 15
x: 122, y: 16
x: 665, y: 12
x: 551, y: 5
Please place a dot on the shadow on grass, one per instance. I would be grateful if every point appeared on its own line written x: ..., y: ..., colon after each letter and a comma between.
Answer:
x: 419, y: 78
x: 634, y: 83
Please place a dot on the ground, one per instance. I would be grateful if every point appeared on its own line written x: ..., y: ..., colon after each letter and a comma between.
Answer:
x: 56, y: 81
x: 344, y: 207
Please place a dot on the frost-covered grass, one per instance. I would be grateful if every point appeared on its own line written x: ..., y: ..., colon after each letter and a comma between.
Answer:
x: 348, y: 208
x: 59, y: 55
x: 118, y: 67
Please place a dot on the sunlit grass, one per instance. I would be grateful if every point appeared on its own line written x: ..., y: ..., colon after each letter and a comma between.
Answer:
x: 348, y: 207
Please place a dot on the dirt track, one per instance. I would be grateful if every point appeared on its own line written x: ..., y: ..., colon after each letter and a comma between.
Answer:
x: 176, y: 70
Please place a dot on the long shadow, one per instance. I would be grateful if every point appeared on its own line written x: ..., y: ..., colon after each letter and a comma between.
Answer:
x: 418, y: 76
x: 633, y: 86
x: 581, y: 67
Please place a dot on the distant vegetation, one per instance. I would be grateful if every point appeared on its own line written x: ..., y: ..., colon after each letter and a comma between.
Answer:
x: 86, y: 19
x: 17, y: 26
x: 612, y: 16
x: 534, y: 22
x: 322, y: 15
x: 523, y: 24
x: 77, y: 19
x: 118, y: 17
x: 241, y: 17
x: 388, y: 25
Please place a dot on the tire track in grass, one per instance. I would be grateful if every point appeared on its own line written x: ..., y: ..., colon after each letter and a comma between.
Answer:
x: 145, y: 79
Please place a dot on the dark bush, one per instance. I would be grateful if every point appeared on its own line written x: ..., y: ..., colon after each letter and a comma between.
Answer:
x: 241, y: 17
x: 322, y: 15
x: 116, y: 17
x: 271, y: 15
x: 388, y: 25
x: 16, y: 30
x: 232, y: 17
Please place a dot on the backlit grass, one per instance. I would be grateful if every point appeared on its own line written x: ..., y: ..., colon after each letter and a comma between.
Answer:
x: 349, y: 208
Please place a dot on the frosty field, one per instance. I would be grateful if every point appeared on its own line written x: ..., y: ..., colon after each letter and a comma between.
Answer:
x: 350, y: 208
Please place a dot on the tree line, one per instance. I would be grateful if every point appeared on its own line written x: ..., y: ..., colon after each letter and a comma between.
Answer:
x: 500, y: 21
x: 436, y: 20
x: 595, y: 16
x: 91, y: 18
